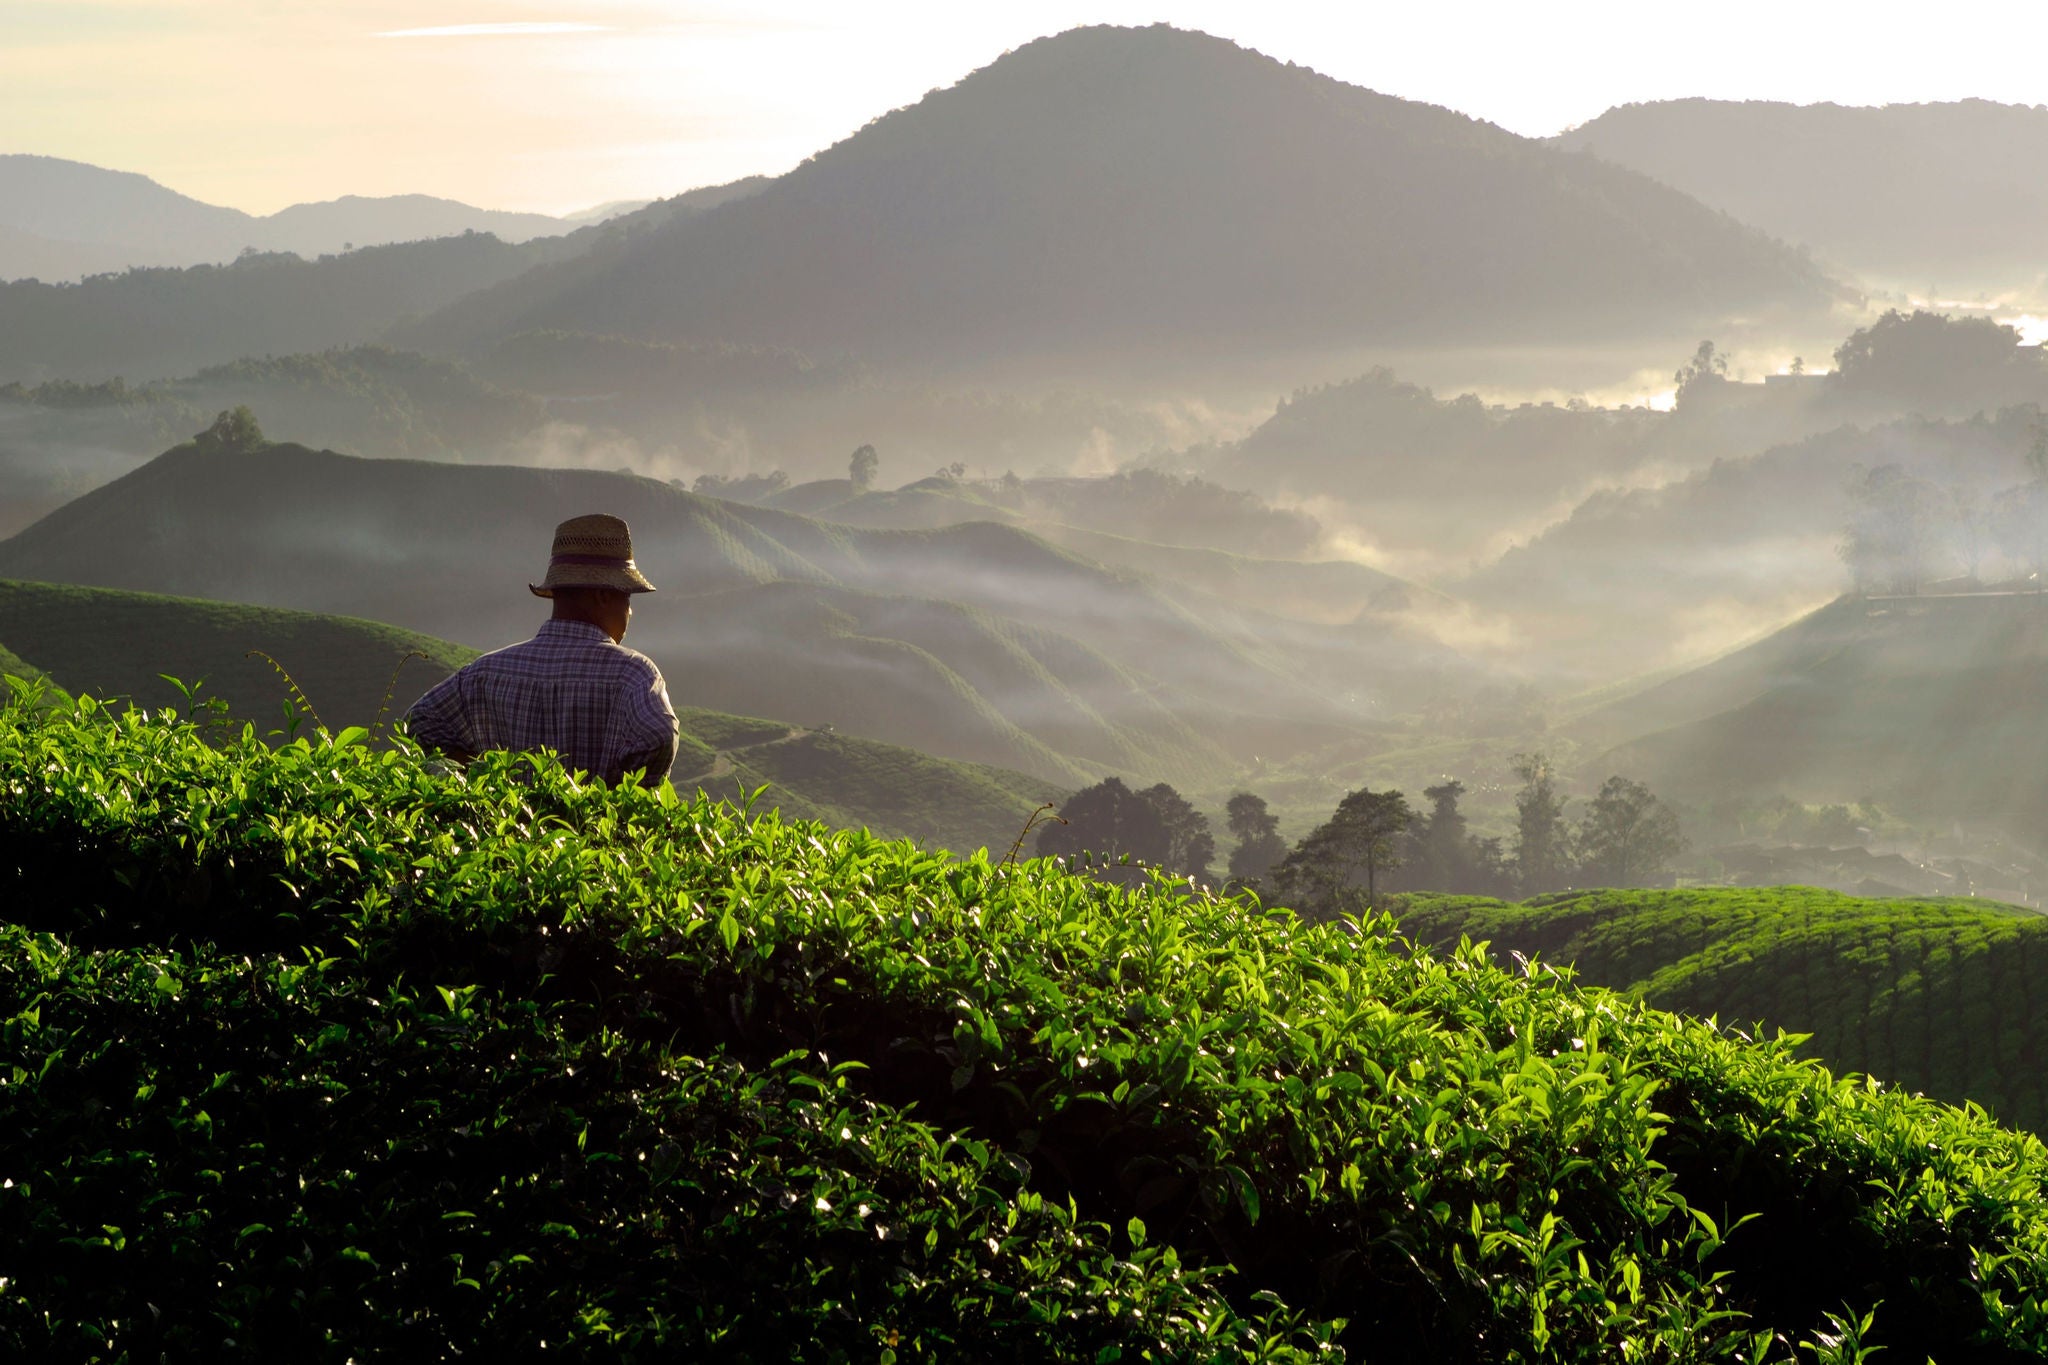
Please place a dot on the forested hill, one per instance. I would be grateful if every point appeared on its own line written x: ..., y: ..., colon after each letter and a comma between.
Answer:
x: 1114, y: 187
x: 1943, y: 191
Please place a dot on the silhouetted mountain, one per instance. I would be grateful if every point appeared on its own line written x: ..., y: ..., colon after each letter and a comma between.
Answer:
x: 150, y: 323
x: 1946, y: 193
x: 63, y: 219
x: 1112, y: 188
x: 976, y: 641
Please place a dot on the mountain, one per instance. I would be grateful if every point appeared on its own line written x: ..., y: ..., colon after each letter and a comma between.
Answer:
x: 1930, y: 706
x: 1110, y: 190
x: 63, y: 219
x: 1949, y: 193
x: 978, y: 641
x: 172, y: 319
x: 1928, y: 995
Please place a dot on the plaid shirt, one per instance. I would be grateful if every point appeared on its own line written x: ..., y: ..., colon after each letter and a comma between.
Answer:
x: 602, y: 707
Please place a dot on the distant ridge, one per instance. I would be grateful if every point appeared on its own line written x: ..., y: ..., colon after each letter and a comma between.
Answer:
x: 1941, y: 193
x: 1114, y: 187
x: 62, y: 219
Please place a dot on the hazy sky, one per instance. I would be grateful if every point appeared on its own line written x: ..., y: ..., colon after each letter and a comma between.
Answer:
x: 560, y: 104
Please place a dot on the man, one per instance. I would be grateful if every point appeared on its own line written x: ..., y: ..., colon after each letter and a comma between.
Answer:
x: 573, y: 687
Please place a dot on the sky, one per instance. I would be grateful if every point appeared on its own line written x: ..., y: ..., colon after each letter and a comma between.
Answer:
x: 558, y: 105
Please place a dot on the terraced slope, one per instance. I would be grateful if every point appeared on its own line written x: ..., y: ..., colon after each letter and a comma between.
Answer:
x: 373, y: 1060
x: 1939, y: 996
x: 115, y: 644
x: 1932, y: 706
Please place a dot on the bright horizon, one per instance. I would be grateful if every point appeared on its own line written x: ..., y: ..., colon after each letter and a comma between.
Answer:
x: 559, y: 105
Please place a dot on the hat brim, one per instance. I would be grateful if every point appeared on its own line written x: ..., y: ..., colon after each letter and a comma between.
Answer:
x: 624, y: 577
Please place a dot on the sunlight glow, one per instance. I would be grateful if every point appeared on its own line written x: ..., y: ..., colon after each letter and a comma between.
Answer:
x: 493, y: 30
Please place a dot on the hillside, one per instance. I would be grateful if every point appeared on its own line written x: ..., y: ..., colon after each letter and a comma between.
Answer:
x: 977, y: 642
x: 1110, y: 190
x: 1934, y: 996
x: 653, y: 1080
x: 150, y: 323
x: 115, y: 644
x: 1909, y: 192
x: 160, y: 323
x: 1930, y: 706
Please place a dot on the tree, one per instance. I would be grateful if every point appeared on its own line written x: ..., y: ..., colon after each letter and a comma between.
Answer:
x: 235, y: 429
x: 1707, y: 369
x: 1190, y: 847
x: 1896, y: 525
x: 1443, y: 852
x: 1363, y: 835
x: 1259, y: 845
x: 861, y: 468
x: 2019, y: 517
x: 1543, y: 856
x: 1627, y: 835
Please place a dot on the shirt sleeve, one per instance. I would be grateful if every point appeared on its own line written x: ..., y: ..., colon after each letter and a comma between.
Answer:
x: 440, y: 720
x: 651, y: 746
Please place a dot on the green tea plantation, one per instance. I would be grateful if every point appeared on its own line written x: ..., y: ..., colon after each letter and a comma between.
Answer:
x: 1938, y: 995
x: 316, y: 1053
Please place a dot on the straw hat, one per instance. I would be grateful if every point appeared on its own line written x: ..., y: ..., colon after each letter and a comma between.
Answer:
x: 595, y: 551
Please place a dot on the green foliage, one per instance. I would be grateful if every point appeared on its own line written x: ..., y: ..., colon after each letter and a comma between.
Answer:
x: 1627, y: 835
x: 1108, y: 821
x: 1363, y: 835
x: 1938, y: 996
x: 234, y: 429
x: 315, y: 1052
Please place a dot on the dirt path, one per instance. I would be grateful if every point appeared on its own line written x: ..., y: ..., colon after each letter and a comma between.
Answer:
x: 722, y: 765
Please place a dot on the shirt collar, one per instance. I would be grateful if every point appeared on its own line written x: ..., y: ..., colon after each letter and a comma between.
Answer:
x: 572, y: 630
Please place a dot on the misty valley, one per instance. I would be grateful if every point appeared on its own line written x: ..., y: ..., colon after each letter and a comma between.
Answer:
x: 1306, y: 729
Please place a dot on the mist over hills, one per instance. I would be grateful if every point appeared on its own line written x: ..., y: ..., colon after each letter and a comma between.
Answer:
x: 1115, y: 188
x: 1948, y: 194
x: 976, y: 641
x: 62, y: 219
x: 1638, y: 578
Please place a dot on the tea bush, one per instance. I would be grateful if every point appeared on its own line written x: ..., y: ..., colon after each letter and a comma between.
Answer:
x: 321, y: 1052
x: 1932, y: 994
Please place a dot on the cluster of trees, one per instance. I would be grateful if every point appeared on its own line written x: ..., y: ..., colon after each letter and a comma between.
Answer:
x: 1905, y: 531
x: 1375, y: 841
x: 741, y: 487
x: 1156, y: 826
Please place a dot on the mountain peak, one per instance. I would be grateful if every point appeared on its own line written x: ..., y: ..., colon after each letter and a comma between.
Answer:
x: 1113, y: 190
